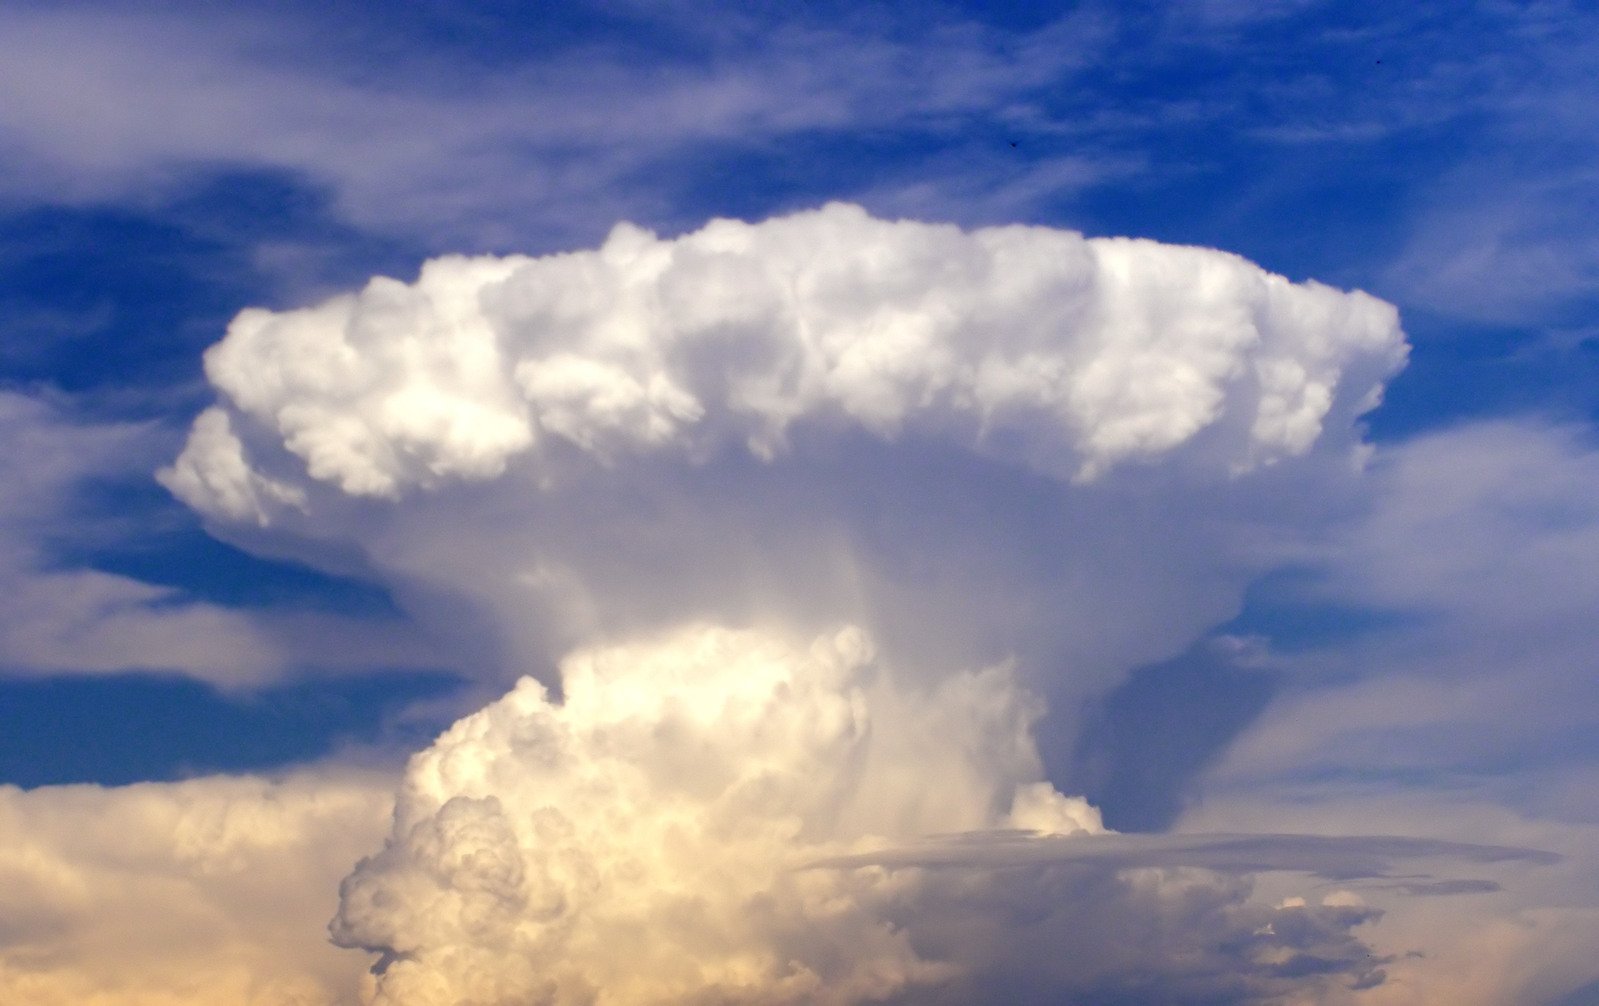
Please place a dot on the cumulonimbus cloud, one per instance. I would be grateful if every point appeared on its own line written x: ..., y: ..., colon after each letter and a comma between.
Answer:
x: 63, y: 616
x: 675, y: 467
x: 778, y: 418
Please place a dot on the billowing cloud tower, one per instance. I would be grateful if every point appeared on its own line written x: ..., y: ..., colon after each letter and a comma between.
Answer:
x: 794, y: 527
x: 647, y: 838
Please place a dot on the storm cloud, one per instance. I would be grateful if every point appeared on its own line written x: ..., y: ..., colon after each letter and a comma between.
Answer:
x: 794, y: 526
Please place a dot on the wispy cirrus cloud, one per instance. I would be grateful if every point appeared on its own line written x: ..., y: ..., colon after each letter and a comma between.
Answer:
x: 63, y: 617
x: 107, y: 103
x: 1481, y: 538
x: 544, y: 139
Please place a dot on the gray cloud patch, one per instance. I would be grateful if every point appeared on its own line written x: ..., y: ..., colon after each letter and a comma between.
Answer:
x: 1444, y: 888
x: 1329, y: 856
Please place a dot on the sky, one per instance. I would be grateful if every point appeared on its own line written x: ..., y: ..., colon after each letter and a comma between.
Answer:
x: 934, y: 503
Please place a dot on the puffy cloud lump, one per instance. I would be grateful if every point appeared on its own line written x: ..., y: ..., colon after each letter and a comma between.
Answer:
x: 720, y: 816
x: 641, y: 840
x: 1069, y: 354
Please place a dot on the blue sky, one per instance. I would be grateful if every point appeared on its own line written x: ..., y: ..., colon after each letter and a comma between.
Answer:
x: 1298, y: 648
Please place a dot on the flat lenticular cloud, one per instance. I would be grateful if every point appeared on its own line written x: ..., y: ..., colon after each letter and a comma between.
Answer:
x: 800, y: 520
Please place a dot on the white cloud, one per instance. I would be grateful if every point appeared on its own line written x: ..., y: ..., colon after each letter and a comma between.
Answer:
x: 1081, y: 353
x: 194, y: 893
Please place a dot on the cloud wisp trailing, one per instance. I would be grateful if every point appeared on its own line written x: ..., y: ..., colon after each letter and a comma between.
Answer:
x: 1328, y: 856
x: 62, y: 618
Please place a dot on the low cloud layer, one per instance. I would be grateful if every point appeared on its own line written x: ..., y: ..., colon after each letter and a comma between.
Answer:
x: 196, y: 893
